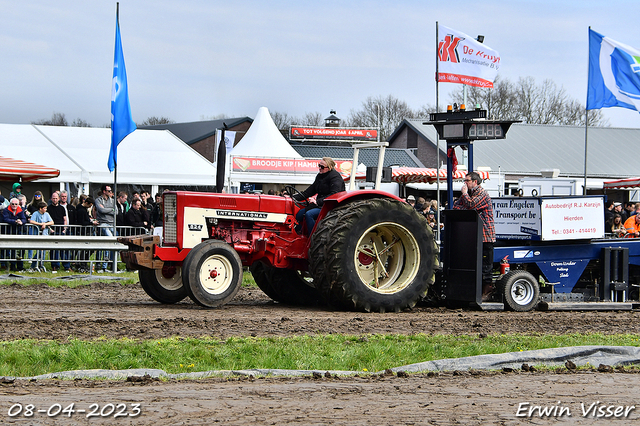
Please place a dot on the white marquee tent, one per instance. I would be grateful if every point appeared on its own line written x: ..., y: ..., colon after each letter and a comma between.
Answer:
x: 264, y: 140
x: 145, y: 157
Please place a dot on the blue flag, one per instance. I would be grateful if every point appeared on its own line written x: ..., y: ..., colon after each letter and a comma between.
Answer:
x: 121, y: 122
x: 614, y: 74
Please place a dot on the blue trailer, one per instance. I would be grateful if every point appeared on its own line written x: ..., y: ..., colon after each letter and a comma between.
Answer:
x: 558, y: 253
x: 558, y: 257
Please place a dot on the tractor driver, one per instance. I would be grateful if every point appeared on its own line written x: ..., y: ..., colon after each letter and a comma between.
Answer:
x: 328, y: 181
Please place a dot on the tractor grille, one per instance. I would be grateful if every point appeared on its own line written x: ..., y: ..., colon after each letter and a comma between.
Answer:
x: 227, y: 202
x: 170, y: 219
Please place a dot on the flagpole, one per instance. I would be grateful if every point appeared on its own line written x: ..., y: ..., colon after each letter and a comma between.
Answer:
x: 115, y: 254
x: 437, y: 143
x: 115, y: 162
x: 586, y: 133
x: 122, y: 123
x: 586, y: 139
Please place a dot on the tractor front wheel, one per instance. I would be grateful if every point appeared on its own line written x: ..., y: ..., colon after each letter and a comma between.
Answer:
x: 212, y: 273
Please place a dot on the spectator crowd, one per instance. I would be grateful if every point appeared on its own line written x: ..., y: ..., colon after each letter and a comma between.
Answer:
x: 65, y: 215
x: 622, y: 220
x: 427, y: 208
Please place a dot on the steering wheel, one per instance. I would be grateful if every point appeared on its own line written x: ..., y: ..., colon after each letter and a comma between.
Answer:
x: 291, y: 190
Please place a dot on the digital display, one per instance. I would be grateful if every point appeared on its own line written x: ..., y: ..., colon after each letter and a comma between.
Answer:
x: 452, y: 131
x: 472, y: 130
x: 486, y: 131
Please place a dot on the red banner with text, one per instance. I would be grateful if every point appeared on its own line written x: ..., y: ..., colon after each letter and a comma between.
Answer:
x: 333, y: 133
x: 282, y: 165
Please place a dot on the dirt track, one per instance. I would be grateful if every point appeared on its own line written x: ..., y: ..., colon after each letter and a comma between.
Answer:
x: 112, y: 310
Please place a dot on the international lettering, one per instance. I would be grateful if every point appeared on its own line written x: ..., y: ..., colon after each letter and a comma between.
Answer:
x: 249, y: 215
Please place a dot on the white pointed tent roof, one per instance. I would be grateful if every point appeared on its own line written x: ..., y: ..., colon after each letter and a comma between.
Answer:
x: 263, y: 139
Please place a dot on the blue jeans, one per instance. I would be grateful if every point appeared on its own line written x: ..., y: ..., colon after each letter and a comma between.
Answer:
x: 310, y: 215
x: 106, y: 230
x: 60, y: 254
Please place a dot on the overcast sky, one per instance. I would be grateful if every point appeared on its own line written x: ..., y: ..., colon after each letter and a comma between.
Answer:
x: 194, y: 59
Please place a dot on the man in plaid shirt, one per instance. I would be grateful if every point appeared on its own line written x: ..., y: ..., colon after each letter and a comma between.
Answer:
x: 474, y: 197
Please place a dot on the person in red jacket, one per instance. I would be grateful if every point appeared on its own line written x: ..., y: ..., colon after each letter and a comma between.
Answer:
x: 15, y: 219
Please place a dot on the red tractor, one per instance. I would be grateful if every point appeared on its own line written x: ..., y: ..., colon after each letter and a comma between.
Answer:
x: 369, y: 251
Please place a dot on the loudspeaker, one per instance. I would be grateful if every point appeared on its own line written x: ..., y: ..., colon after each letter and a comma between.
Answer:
x: 373, y: 171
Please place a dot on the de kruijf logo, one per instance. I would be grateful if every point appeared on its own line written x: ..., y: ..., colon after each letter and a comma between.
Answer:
x: 448, y: 49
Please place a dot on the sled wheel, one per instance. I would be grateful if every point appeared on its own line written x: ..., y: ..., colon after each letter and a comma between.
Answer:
x: 291, y: 190
x: 212, y: 273
x: 520, y: 290
x: 373, y: 255
x: 163, y: 285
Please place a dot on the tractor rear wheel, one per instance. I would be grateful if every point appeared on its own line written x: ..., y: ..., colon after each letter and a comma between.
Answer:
x: 212, y: 273
x: 373, y: 255
x: 285, y: 285
x: 163, y: 285
x: 259, y: 271
x: 293, y: 287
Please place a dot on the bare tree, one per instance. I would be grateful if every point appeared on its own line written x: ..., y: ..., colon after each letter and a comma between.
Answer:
x: 214, y: 117
x: 529, y: 102
x: 79, y: 122
x: 425, y: 110
x: 154, y: 121
x: 310, y: 119
x: 57, y: 119
x: 281, y: 120
x: 383, y: 112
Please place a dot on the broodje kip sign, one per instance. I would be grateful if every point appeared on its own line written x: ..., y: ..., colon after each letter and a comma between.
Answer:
x: 282, y: 165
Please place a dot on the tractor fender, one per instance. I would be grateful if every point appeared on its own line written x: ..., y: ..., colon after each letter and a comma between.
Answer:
x: 350, y: 196
x: 345, y: 197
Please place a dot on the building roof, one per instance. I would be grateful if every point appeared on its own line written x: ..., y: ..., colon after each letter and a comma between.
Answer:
x: 530, y: 148
x: 195, y: 131
x: 427, y: 131
x: 366, y: 156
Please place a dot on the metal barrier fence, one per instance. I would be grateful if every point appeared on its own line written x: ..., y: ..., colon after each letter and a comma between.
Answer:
x: 24, y: 247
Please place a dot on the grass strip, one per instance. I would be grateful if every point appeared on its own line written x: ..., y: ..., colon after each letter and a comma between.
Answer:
x: 326, y: 352
x: 53, y: 280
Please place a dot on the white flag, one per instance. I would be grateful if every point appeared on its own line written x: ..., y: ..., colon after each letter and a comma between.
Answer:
x: 229, y: 139
x: 463, y: 60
